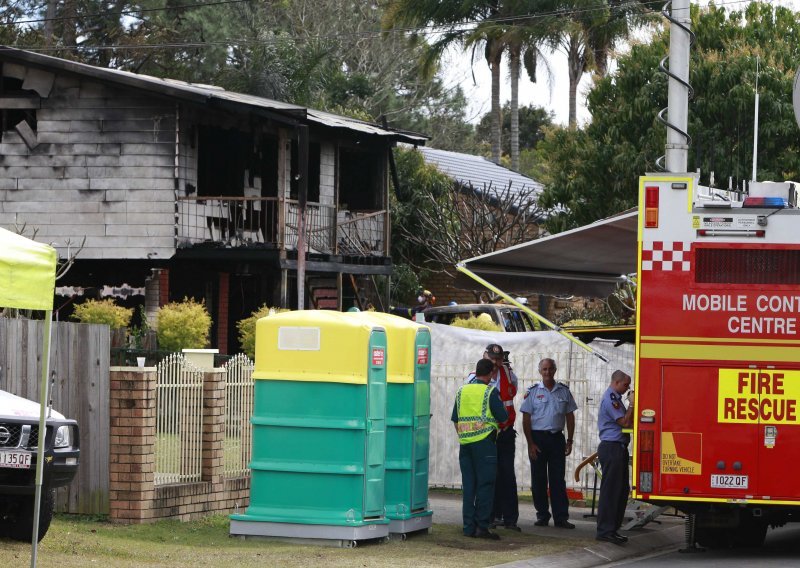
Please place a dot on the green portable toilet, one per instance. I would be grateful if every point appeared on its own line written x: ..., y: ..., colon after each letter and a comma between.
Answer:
x: 319, y: 436
x: 408, y: 409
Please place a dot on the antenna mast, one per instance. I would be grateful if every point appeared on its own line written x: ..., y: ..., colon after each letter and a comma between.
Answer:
x: 680, y: 41
x: 755, y: 129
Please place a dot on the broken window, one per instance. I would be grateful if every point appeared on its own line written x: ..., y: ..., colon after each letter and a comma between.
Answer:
x: 221, y: 161
x: 229, y: 160
x: 18, y: 110
x: 361, y: 180
x: 314, y: 153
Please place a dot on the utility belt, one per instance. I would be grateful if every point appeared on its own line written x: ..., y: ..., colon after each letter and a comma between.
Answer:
x: 548, y: 432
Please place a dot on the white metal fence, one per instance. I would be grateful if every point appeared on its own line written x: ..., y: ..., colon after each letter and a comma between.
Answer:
x: 179, y: 421
x: 238, y: 409
x: 587, y: 377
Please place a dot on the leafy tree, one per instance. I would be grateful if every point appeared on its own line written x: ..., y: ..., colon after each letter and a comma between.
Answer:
x: 593, y: 173
x: 533, y: 120
x: 438, y: 224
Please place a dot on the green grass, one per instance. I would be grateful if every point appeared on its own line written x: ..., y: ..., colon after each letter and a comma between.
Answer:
x: 80, y: 542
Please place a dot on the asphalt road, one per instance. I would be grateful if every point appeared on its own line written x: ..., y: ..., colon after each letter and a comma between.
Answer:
x: 781, y: 548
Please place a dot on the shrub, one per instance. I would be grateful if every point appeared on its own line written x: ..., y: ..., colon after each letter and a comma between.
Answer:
x: 247, y: 328
x: 183, y: 325
x: 478, y: 322
x: 103, y: 312
x: 581, y: 323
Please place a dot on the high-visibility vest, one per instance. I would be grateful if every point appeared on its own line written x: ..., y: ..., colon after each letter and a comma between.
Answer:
x: 475, y: 420
x: 507, y: 393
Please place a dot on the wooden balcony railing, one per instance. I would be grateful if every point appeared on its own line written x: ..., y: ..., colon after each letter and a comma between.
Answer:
x: 270, y: 221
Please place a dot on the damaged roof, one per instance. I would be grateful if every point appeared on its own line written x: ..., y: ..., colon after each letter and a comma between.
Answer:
x: 207, y: 95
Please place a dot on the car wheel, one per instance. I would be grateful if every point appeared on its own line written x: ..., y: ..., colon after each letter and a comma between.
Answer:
x: 23, y: 527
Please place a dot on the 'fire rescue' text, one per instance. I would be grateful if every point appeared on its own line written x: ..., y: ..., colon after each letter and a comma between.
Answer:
x: 758, y: 396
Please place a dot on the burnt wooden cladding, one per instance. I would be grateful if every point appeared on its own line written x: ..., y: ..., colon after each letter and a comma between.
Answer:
x: 79, y: 389
x: 103, y: 168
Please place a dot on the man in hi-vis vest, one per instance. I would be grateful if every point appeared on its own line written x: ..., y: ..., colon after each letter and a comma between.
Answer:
x: 476, y: 413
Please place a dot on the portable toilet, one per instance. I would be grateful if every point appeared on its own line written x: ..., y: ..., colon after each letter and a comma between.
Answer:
x: 408, y: 406
x: 319, y: 437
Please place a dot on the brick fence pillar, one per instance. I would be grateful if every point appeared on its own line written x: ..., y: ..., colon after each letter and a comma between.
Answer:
x: 133, y: 438
x: 222, y: 312
x: 214, y: 429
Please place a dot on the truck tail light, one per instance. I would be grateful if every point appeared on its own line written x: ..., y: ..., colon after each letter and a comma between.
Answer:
x: 651, y: 207
x: 645, y: 447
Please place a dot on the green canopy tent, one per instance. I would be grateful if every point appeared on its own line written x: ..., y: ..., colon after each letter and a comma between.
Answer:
x: 27, y: 282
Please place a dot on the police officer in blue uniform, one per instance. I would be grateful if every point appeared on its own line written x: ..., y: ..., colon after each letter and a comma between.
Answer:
x: 613, y: 455
x: 549, y: 406
x: 476, y: 413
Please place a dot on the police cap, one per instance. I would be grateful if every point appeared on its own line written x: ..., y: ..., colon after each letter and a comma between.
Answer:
x: 494, y: 350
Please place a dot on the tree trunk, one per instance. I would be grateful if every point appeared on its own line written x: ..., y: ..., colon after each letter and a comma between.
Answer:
x: 494, y: 63
x: 514, y: 67
x: 576, y: 63
x: 70, y: 22
x: 49, y: 15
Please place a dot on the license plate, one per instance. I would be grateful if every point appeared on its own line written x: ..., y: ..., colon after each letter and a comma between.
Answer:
x: 16, y: 460
x: 729, y: 481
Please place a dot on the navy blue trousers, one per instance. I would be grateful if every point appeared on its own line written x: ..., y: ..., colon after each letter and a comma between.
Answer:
x: 614, y: 489
x: 478, y: 462
x: 549, y: 469
x: 506, y: 501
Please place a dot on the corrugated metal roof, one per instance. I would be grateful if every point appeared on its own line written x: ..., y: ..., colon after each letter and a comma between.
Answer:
x: 479, y: 172
x: 204, y: 94
x: 338, y: 121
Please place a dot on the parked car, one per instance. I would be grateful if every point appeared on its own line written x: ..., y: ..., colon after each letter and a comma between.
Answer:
x: 19, y: 431
x: 509, y: 318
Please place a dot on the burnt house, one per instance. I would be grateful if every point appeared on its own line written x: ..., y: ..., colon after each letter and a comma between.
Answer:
x: 176, y: 189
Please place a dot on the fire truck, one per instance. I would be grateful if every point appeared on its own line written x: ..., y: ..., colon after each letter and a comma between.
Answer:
x: 717, y: 428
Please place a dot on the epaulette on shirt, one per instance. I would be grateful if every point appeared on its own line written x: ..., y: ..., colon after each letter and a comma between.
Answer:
x: 563, y: 385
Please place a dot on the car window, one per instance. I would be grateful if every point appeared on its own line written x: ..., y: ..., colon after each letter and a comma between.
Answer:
x: 527, y: 321
x: 510, y: 322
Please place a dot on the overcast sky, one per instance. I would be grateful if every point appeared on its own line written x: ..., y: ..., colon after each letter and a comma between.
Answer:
x: 552, y: 94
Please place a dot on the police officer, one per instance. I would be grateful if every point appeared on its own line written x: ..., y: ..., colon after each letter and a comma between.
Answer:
x: 476, y: 412
x: 547, y: 407
x: 613, y: 454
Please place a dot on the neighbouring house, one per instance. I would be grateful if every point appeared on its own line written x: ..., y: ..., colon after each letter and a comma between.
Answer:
x: 479, y: 177
x: 183, y: 189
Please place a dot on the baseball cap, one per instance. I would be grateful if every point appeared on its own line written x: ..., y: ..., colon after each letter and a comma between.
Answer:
x: 494, y: 350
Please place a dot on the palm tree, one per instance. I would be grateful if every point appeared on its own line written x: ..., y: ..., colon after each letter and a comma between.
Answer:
x: 459, y: 21
x: 518, y: 32
x: 590, y: 30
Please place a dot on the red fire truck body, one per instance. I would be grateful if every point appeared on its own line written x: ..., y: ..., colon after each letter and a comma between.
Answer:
x: 717, y: 391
